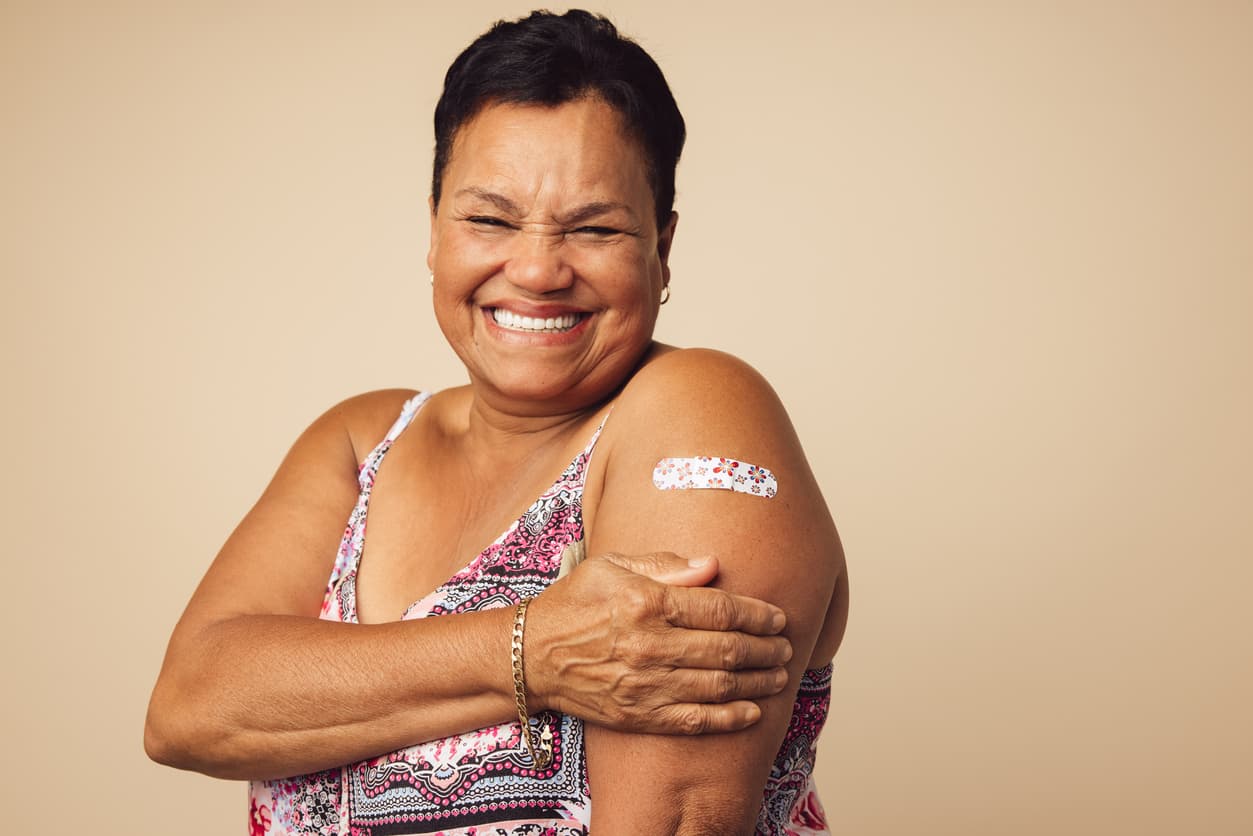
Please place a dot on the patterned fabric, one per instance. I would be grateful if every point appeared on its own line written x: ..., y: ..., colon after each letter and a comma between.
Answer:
x: 791, y: 806
x: 696, y: 472
x: 482, y: 783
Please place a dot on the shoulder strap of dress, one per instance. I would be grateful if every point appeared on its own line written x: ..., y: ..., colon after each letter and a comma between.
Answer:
x: 591, y: 445
x: 370, y: 465
x: 407, y: 412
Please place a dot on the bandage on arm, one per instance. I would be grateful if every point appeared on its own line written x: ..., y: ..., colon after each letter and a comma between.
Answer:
x: 716, y: 473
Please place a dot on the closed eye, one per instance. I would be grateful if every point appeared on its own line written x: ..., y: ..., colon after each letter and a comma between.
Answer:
x: 598, y: 230
x: 489, y: 221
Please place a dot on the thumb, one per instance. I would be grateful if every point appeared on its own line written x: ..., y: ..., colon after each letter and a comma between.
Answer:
x: 668, y: 567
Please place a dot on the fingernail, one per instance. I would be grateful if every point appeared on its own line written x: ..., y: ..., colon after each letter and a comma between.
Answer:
x: 777, y: 623
x: 787, y: 651
x: 697, y: 562
x: 752, y: 713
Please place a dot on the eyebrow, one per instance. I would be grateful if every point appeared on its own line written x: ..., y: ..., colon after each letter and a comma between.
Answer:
x: 501, y: 202
x: 576, y: 216
x: 592, y: 210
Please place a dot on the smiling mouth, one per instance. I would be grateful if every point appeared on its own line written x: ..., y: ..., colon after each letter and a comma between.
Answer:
x: 511, y: 321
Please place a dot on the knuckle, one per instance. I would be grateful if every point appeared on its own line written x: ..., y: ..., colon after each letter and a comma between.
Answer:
x: 595, y: 564
x: 724, y: 686
x: 723, y: 611
x: 734, y: 652
x: 691, y: 721
x: 672, y: 604
x: 635, y: 602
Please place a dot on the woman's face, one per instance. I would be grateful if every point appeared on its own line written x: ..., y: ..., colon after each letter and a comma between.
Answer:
x: 548, y: 264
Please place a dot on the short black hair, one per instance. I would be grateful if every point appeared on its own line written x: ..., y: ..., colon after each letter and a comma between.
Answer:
x: 548, y: 59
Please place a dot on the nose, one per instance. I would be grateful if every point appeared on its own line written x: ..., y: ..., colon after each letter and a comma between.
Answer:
x: 538, y: 264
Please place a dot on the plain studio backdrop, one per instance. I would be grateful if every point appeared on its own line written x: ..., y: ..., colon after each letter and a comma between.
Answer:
x: 996, y: 257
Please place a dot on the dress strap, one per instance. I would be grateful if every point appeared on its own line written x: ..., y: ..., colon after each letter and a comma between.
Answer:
x: 407, y: 412
x: 371, y: 464
x: 351, y: 545
x: 591, y: 445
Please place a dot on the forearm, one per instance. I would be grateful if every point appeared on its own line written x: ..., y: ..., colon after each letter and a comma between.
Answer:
x: 254, y: 696
x: 264, y: 696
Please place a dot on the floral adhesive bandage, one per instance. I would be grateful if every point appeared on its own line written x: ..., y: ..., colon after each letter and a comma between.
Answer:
x: 716, y: 472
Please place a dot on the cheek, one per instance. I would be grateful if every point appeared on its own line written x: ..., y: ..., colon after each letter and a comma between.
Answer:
x: 454, y: 247
x: 627, y: 270
x: 462, y: 258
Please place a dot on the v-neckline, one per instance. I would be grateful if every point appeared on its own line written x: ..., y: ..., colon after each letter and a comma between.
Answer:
x: 513, y: 526
x: 352, y: 615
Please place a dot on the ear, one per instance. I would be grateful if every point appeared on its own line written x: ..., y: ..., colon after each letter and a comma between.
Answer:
x: 430, y: 252
x: 665, y: 239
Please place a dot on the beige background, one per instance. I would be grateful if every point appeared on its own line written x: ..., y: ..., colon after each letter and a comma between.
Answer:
x: 996, y: 257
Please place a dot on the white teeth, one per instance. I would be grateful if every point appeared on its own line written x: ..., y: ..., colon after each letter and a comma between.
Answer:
x: 517, y: 322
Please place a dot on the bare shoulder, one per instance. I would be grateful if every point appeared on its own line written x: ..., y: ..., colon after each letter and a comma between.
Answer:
x: 277, y: 559
x: 365, y: 418
x: 704, y: 460
x: 699, y: 412
x: 328, y: 453
x: 693, y: 384
x: 696, y: 396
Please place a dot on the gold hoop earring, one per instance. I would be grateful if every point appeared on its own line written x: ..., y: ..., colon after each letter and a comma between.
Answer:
x: 665, y: 294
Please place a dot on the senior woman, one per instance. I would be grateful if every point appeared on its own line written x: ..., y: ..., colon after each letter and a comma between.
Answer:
x: 464, y: 681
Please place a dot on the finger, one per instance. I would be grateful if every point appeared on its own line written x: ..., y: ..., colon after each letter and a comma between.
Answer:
x: 726, y: 650
x: 702, y: 608
x: 667, y: 567
x: 695, y: 718
x: 719, y: 686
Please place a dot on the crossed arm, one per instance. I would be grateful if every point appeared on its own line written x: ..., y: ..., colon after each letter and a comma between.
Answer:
x: 254, y: 685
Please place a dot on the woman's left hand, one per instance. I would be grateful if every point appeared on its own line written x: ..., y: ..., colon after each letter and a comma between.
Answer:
x: 640, y: 644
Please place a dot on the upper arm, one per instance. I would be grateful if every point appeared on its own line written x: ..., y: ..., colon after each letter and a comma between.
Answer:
x: 278, y: 558
x: 782, y: 549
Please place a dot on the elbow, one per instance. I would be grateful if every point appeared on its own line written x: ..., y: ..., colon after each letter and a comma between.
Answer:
x: 162, y: 740
x: 159, y: 745
x: 170, y: 734
x: 195, y: 750
x: 190, y: 723
x: 176, y: 734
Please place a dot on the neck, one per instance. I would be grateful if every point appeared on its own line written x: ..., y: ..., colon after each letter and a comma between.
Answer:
x: 491, y: 420
x: 492, y: 427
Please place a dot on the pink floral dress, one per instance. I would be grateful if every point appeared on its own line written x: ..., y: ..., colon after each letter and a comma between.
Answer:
x: 483, y: 783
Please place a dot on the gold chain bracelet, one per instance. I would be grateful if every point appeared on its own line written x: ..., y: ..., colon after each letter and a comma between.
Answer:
x: 544, y: 743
